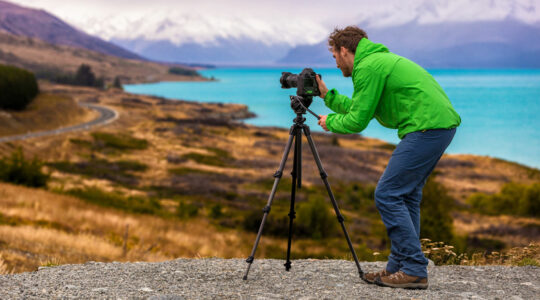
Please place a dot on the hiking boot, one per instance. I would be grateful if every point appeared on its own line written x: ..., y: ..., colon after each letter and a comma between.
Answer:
x: 402, y: 280
x: 370, y: 277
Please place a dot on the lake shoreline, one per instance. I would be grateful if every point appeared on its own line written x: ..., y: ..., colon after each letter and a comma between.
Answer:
x: 492, y: 121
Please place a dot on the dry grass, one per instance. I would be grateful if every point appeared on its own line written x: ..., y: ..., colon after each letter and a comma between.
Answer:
x: 443, y: 254
x: 50, y: 226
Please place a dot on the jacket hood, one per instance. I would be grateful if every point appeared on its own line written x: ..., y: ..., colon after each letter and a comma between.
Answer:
x: 366, y: 47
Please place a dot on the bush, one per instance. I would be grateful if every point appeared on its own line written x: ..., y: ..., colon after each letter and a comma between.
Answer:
x: 216, y: 211
x: 183, y: 71
x: 220, y: 158
x: 119, y: 141
x: 359, y: 197
x: 513, y: 199
x: 16, y: 169
x: 136, y: 204
x: 277, y: 223
x: 186, y: 210
x: 316, y: 220
x: 117, y: 171
x: 18, y: 87
x: 436, y: 222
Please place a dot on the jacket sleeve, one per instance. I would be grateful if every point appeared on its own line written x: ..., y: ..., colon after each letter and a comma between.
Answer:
x: 368, y: 88
x: 336, y: 102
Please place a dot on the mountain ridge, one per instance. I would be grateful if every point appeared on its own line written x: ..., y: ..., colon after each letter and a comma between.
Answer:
x: 38, y: 23
x: 489, y: 44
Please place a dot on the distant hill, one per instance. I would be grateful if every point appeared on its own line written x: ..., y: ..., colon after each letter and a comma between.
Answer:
x: 22, y: 21
x: 488, y: 44
x: 47, y: 61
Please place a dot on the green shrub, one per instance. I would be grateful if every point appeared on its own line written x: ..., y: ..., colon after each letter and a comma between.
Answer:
x: 18, y: 87
x: 118, y: 141
x: 16, y: 169
x: 513, y: 199
x: 117, y: 171
x: 436, y: 223
x: 135, y: 204
x: 183, y: 71
x: 220, y: 158
x: 315, y: 219
x: 186, y: 210
x: 216, y: 211
x: 184, y: 171
x: 359, y: 197
x: 277, y: 222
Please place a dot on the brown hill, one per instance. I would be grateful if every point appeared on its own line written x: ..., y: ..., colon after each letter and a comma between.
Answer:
x: 40, y: 24
x: 48, y: 60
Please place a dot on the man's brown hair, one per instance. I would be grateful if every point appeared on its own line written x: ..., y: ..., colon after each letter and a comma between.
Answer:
x: 349, y: 37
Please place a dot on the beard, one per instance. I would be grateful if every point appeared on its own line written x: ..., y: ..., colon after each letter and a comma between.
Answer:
x: 347, y: 72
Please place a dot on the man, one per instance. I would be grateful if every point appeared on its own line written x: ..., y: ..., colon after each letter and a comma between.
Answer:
x: 400, y: 95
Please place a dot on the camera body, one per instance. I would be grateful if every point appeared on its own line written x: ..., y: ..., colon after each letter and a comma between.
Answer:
x: 305, y: 82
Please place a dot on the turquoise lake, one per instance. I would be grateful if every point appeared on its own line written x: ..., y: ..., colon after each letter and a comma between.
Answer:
x: 499, y: 108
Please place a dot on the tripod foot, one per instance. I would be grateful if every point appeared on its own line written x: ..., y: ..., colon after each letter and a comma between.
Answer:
x: 245, y: 277
x: 287, y: 266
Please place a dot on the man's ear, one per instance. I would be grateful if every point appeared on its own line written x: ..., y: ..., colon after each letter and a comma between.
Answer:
x: 343, y: 51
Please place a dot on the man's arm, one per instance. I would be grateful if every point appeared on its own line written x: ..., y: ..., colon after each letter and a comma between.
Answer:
x: 332, y: 99
x: 368, y: 88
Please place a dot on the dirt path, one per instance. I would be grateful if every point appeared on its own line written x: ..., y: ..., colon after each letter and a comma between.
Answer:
x: 106, y: 115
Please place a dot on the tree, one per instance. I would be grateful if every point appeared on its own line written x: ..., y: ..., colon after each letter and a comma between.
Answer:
x: 85, y: 76
x: 18, y: 87
x: 117, y: 84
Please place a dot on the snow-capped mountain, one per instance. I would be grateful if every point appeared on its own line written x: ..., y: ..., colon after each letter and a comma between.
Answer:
x: 255, y: 32
x: 488, y: 44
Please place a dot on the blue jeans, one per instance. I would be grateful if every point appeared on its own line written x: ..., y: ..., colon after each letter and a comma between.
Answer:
x: 399, y: 193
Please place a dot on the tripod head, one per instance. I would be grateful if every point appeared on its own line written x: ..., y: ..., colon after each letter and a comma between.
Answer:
x: 300, y: 105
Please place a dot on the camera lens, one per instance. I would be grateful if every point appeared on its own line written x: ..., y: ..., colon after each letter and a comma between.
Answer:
x: 288, y: 80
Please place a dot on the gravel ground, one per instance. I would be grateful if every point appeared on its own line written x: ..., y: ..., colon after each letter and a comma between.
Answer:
x: 222, y: 279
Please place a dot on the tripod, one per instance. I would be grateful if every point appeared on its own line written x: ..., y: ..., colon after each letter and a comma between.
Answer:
x: 295, y: 134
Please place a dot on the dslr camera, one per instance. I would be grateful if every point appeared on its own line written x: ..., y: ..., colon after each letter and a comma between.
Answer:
x: 305, y: 82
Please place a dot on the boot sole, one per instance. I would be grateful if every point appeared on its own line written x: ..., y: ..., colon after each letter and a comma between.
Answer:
x: 368, y: 281
x: 409, y: 286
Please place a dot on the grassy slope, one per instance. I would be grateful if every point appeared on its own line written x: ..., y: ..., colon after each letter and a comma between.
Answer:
x: 197, y: 156
x: 47, y: 111
x: 39, y: 227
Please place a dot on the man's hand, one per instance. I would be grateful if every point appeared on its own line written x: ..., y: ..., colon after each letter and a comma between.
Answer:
x: 322, y: 122
x: 322, y: 87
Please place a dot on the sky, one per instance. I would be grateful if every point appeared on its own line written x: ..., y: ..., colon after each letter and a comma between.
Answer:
x: 272, y: 22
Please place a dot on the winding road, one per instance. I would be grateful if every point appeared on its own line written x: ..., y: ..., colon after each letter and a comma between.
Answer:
x: 106, y: 115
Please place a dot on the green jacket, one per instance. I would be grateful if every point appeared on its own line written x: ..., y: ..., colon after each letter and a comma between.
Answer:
x: 397, y: 92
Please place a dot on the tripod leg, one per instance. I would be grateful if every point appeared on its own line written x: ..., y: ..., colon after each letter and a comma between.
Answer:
x: 334, y: 202
x: 295, y: 181
x: 299, y: 158
x: 266, y: 209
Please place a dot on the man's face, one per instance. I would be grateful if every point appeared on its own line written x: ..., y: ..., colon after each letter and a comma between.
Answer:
x: 343, y: 61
